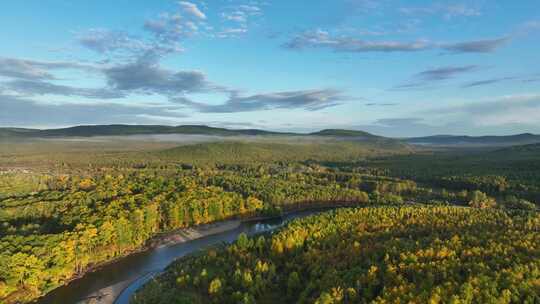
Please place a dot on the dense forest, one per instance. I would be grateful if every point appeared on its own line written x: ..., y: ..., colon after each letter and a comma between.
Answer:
x: 368, y: 255
x: 67, y: 207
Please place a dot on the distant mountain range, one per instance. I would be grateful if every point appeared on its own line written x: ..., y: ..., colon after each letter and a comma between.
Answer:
x: 533, y: 149
x: 122, y: 130
x: 452, y: 140
x: 344, y: 133
x: 119, y: 130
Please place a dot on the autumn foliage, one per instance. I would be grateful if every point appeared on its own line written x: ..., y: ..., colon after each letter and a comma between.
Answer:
x: 369, y: 255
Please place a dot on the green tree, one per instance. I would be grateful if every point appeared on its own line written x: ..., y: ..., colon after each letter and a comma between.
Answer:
x: 293, y: 284
x: 215, y: 287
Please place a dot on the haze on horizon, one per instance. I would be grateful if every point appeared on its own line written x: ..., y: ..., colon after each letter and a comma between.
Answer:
x: 394, y: 68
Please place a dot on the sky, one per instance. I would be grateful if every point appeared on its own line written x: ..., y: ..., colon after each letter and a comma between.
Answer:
x: 394, y: 68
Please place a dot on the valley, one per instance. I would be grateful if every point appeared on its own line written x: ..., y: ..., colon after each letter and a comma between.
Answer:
x: 70, y: 207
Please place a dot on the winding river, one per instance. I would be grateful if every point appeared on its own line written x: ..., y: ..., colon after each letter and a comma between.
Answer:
x: 128, y: 274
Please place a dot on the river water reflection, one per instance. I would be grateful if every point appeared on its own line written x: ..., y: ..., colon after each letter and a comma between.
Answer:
x: 141, y: 267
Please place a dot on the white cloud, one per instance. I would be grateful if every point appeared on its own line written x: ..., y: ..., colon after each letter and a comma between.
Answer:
x: 323, y: 39
x: 447, y: 11
x: 192, y: 9
x: 426, y: 79
x: 477, y: 46
x: 311, y: 100
x: 237, y: 19
x: 30, y: 113
x: 231, y: 32
x: 513, y: 109
x: 36, y: 70
x: 105, y: 41
x: 236, y: 16
x: 149, y: 77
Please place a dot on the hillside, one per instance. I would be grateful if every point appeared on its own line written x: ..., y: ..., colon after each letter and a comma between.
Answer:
x: 522, y: 148
x: 120, y: 130
x: 15, y: 132
x: 344, y: 133
x: 525, y: 153
x: 235, y: 152
x: 125, y: 130
x: 350, y: 135
x: 451, y: 140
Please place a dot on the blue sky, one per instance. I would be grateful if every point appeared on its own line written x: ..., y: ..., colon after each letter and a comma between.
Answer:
x: 396, y: 68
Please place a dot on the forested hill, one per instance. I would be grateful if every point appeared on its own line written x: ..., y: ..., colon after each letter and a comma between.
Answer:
x: 15, y: 132
x: 517, y: 152
x: 522, y: 148
x: 344, y: 133
x: 250, y: 152
x: 119, y: 130
x: 122, y: 130
x: 451, y: 140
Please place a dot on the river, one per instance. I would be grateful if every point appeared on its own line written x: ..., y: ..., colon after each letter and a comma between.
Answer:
x: 128, y: 274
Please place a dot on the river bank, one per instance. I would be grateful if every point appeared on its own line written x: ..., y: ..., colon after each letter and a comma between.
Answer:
x: 107, y: 293
x: 191, y: 233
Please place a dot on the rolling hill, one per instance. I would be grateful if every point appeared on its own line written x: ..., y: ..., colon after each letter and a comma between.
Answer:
x: 15, y: 132
x: 119, y: 130
x: 530, y: 151
x: 253, y: 151
x: 451, y: 140
x: 344, y: 133
x: 349, y: 135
